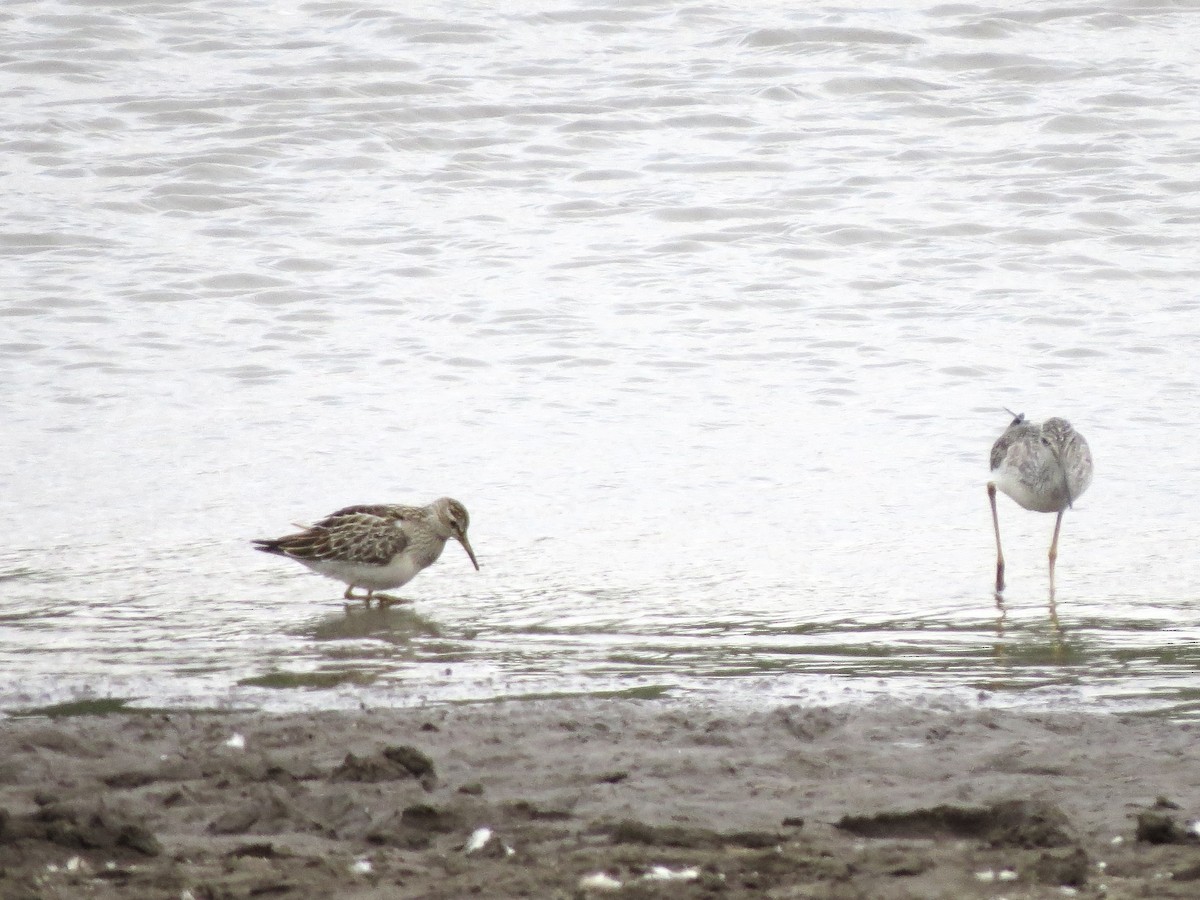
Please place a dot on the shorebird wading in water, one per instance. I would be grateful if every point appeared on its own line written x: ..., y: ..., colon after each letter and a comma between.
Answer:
x: 376, y: 547
x: 1044, y: 467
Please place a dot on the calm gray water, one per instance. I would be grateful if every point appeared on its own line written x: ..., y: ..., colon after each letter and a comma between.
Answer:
x: 707, y: 312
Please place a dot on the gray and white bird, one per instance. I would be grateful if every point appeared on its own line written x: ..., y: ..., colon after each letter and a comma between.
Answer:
x: 1045, y: 467
x: 376, y: 547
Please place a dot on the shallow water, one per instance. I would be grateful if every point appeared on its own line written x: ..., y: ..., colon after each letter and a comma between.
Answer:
x: 708, y: 313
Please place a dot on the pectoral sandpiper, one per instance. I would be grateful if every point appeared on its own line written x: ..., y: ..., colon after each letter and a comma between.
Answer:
x: 376, y: 547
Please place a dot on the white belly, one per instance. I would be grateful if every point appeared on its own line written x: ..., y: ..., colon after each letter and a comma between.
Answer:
x: 1051, y: 498
x: 397, y: 573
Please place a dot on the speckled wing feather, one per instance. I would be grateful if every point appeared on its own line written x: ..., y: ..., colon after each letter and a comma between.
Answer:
x: 998, y: 450
x: 386, y: 511
x: 1071, y: 454
x: 1012, y: 436
x: 346, y: 536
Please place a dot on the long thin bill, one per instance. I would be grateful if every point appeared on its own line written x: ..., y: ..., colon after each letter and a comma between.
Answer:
x: 471, y: 553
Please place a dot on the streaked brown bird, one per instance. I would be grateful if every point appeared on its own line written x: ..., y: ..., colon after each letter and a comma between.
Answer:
x: 376, y: 547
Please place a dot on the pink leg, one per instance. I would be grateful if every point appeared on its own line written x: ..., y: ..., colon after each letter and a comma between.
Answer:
x: 991, y: 489
x: 1054, y: 552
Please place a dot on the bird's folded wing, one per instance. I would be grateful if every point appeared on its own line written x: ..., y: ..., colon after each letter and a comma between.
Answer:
x: 379, y: 510
x: 356, y: 537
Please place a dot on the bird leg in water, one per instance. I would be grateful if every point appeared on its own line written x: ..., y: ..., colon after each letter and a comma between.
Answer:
x: 1054, y: 552
x: 991, y: 489
x: 366, y: 599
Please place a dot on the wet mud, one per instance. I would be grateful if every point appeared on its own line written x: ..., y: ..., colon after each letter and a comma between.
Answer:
x: 592, y: 798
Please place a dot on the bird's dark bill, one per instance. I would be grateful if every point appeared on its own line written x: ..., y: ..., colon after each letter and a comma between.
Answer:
x: 471, y: 553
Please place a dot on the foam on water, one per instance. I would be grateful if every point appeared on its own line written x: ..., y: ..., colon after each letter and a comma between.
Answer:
x: 708, y: 314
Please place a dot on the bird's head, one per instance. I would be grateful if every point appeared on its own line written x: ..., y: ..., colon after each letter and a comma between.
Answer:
x: 453, y: 518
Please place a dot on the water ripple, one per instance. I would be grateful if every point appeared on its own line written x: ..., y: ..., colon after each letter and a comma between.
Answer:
x: 709, y: 314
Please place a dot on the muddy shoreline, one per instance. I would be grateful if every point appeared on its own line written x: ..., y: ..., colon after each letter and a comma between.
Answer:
x: 585, y: 797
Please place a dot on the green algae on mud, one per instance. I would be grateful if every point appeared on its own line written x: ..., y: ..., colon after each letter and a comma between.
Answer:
x: 106, y: 706
x: 645, y: 692
x: 314, y: 680
x: 98, y: 706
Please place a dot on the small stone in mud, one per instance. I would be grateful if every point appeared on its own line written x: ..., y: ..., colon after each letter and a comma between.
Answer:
x: 1191, y: 873
x: 415, y: 827
x: 1159, y: 828
x: 412, y: 759
x: 612, y: 777
x: 478, y: 840
x: 525, y: 810
x: 424, y: 817
x: 392, y: 764
x: 484, y: 843
x: 474, y: 788
x: 128, y: 780
x: 599, y: 881
x: 629, y: 831
x: 265, y: 850
x: 752, y: 840
x: 1068, y: 869
x: 793, y: 822
x: 906, y: 865
x: 365, y: 769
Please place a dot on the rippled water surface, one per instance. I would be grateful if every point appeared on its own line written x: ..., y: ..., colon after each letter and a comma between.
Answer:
x: 707, y: 312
